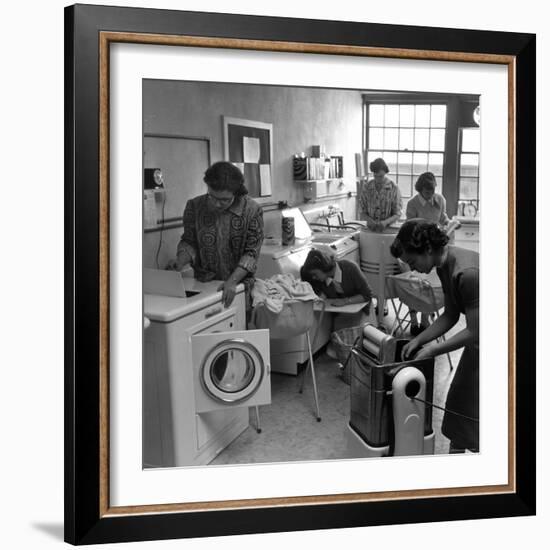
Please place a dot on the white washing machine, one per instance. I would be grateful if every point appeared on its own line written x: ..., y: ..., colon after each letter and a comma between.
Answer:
x: 201, y: 371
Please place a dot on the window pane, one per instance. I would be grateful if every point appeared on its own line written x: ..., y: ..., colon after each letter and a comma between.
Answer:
x: 406, y: 139
x: 376, y: 138
x: 420, y: 163
x: 391, y: 161
x: 422, y: 116
x: 437, y: 140
x: 405, y: 185
x: 376, y: 115
x: 421, y: 140
x: 468, y: 188
x: 439, y: 181
x: 371, y: 155
x: 435, y: 163
x: 470, y: 140
x: 392, y: 115
x: 439, y: 116
x: 406, y: 116
x: 391, y: 138
x: 404, y: 163
x: 469, y: 165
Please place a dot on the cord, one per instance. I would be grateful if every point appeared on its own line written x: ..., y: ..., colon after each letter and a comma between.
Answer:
x: 161, y: 230
x: 444, y: 409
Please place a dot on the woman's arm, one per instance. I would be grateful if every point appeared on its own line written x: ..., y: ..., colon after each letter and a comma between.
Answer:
x: 468, y: 288
x: 465, y: 337
x: 411, y: 211
x: 444, y: 219
x: 396, y: 209
x: 360, y: 285
x: 440, y: 326
x: 247, y: 263
x: 355, y: 299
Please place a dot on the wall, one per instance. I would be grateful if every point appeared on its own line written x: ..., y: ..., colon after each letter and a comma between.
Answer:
x: 301, y: 117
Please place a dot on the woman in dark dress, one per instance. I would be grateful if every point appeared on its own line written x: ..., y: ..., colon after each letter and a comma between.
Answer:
x: 340, y: 282
x: 423, y: 246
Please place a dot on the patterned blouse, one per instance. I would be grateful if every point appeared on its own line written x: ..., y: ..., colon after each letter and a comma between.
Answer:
x: 380, y: 204
x: 216, y: 242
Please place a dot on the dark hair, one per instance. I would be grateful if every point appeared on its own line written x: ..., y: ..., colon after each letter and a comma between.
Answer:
x: 417, y: 236
x: 378, y: 164
x: 425, y: 181
x: 316, y: 259
x: 224, y: 176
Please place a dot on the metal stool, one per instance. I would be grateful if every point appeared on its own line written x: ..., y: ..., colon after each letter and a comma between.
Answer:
x: 302, y: 313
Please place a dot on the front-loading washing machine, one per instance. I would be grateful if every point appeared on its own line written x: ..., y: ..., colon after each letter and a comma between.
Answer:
x: 202, y: 370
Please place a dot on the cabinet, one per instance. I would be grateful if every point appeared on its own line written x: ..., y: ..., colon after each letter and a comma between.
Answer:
x: 316, y: 189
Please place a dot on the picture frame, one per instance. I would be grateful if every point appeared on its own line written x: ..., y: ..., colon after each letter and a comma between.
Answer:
x: 258, y: 175
x: 89, y: 516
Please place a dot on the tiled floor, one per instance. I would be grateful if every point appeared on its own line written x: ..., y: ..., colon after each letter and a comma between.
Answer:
x: 290, y: 431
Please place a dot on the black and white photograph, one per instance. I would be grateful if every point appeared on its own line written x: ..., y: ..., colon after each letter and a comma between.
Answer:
x: 285, y: 310
x: 310, y: 273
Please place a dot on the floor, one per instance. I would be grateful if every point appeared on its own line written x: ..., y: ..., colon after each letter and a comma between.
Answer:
x: 289, y: 430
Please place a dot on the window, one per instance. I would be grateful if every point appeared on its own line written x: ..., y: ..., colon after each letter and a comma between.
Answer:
x: 468, y: 194
x: 410, y: 138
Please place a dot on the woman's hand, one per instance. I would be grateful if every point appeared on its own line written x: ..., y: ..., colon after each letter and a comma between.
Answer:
x: 409, y: 350
x: 428, y: 350
x: 229, y: 289
x: 372, y: 225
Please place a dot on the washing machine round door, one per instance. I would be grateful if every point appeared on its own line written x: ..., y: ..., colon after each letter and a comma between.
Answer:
x: 232, y: 371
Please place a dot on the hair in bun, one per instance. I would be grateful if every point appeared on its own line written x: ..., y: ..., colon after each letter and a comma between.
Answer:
x: 418, y: 236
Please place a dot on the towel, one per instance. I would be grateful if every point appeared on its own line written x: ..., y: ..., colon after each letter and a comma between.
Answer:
x: 273, y: 292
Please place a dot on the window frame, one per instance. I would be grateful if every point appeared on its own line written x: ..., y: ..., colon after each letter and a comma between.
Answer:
x: 389, y: 99
x: 461, y: 152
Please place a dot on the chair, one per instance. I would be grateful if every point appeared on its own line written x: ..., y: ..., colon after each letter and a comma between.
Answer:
x: 297, y: 317
x: 417, y: 291
x: 377, y: 263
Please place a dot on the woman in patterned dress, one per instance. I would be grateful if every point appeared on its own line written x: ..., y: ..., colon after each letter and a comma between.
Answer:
x: 222, y: 232
x: 380, y: 198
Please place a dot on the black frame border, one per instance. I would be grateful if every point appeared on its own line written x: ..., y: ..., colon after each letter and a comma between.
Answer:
x: 83, y: 523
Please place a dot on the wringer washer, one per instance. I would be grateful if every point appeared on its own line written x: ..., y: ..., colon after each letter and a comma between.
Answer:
x: 385, y: 418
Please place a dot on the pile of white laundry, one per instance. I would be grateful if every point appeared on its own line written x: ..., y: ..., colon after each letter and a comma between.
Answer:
x: 276, y: 290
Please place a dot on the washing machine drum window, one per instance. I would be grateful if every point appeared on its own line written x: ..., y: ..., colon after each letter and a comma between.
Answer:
x: 232, y: 371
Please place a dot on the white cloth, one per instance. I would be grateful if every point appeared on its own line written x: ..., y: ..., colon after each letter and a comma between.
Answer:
x: 273, y: 292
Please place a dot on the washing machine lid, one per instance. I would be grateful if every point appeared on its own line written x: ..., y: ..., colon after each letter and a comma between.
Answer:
x: 231, y: 368
x: 339, y: 247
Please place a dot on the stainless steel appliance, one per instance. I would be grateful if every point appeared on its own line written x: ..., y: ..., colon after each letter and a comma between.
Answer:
x: 385, y: 419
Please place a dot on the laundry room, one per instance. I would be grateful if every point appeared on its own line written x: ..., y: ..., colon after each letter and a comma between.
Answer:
x: 301, y: 251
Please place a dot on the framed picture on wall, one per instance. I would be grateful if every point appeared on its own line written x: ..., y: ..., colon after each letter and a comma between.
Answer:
x: 248, y: 144
x: 112, y: 493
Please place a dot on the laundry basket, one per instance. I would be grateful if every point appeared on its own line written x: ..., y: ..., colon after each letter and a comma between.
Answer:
x: 295, y: 318
x: 342, y: 341
x: 419, y: 291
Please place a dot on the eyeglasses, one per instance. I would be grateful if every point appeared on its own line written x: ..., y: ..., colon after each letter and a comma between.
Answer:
x: 223, y: 202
